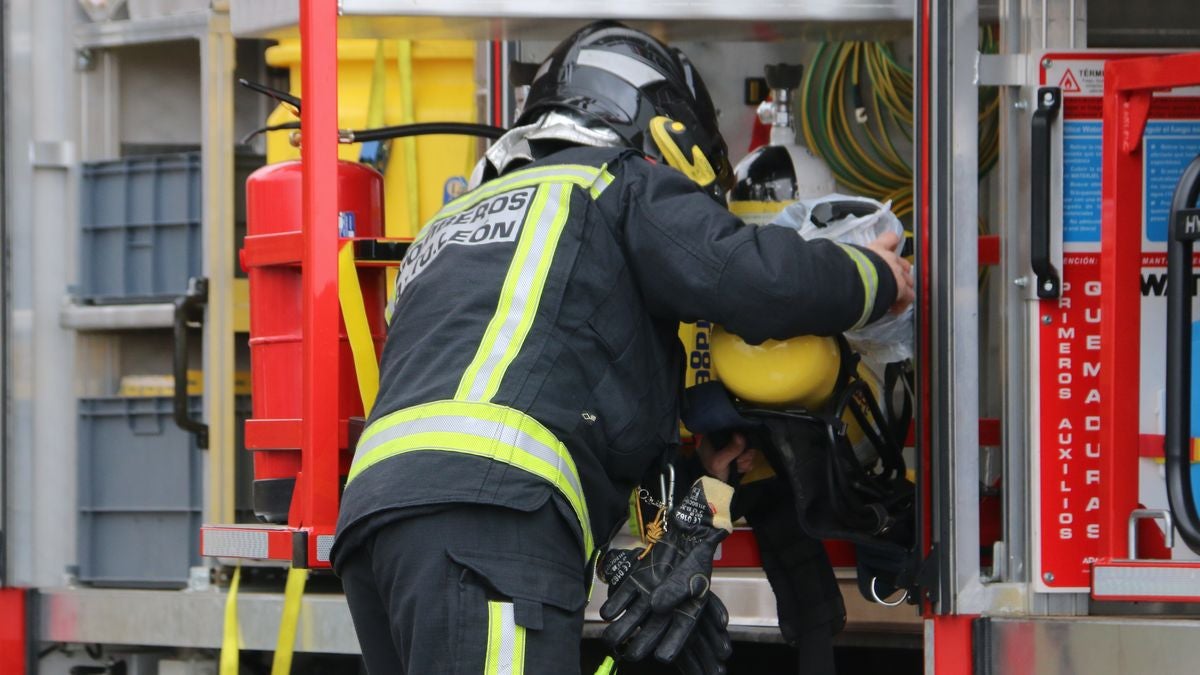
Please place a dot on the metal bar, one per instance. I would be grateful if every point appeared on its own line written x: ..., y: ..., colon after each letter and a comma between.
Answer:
x: 923, y: 196
x: 845, y: 10
x: 1120, y: 306
x: 15, y: 633
x: 116, y: 317
x: 4, y: 284
x: 217, y: 61
x: 104, y: 34
x: 1003, y: 70
x: 262, y: 250
x: 948, y: 318
x: 1096, y: 646
x: 948, y: 645
x: 1015, y: 242
x: 194, y: 619
x: 958, y: 325
x: 1152, y: 73
x: 317, y: 487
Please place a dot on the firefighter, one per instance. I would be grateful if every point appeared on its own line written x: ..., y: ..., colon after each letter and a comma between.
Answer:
x: 531, y: 373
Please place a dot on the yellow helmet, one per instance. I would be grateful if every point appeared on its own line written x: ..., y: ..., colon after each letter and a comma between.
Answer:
x: 801, y: 371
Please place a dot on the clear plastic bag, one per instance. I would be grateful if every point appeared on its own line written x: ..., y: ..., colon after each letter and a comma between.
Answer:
x: 858, y: 221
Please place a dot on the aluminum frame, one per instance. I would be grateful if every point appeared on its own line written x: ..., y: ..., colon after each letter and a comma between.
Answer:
x: 948, y: 313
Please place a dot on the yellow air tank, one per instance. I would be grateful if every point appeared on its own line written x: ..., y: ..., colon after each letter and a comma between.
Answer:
x: 798, y: 372
x: 801, y: 371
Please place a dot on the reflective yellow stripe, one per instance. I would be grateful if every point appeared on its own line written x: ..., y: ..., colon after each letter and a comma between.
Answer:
x: 595, y: 180
x: 230, y: 635
x: 358, y: 331
x: 602, y: 181
x: 520, y: 295
x: 607, y: 667
x: 505, y: 641
x: 285, y: 646
x: 491, y: 664
x: 870, y: 281
x: 482, y: 430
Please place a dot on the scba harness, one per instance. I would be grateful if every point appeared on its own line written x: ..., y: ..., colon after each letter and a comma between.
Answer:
x: 838, y: 493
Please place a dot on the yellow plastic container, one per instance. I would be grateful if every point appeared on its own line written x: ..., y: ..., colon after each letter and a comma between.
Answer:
x: 443, y: 90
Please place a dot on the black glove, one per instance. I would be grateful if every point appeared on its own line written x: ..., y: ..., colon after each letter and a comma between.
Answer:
x: 709, y: 647
x: 660, y: 594
x: 693, y: 635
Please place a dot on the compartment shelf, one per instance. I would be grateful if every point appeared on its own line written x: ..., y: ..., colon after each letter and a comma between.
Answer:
x: 107, y: 34
x: 116, y: 317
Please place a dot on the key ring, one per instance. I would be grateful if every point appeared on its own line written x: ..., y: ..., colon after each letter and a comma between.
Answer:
x: 644, y: 495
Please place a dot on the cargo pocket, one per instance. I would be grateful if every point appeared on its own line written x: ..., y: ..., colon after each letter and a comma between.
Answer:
x: 532, y: 580
x: 512, y: 602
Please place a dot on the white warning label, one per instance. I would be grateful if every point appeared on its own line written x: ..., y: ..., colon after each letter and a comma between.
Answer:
x: 1082, y: 74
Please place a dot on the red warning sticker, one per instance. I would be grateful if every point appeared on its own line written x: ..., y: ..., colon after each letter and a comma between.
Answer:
x: 1068, y: 83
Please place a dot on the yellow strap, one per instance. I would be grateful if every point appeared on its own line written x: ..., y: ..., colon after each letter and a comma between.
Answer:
x: 408, y: 115
x: 354, y: 312
x: 229, y: 637
x: 286, y: 644
x: 375, y: 99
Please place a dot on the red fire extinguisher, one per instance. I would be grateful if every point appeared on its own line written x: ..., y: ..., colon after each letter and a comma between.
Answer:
x: 273, y: 207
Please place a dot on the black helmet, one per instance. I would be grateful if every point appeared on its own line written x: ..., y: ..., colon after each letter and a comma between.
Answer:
x: 624, y: 78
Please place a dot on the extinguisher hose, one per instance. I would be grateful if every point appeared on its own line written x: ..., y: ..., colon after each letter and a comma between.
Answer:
x: 424, y: 129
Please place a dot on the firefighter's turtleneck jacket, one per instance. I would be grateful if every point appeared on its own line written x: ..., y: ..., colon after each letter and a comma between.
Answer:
x: 533, y: 342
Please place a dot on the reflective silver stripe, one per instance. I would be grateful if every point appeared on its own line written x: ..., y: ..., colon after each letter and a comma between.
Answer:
x: 234, y: 543
x: 324, y: 547
x: 488, y: 433
x: 523, y: 294
x: 508, y: 639
x: 623, y: 66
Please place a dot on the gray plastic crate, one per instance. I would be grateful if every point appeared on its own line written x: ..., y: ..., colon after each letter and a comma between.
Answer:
x: 140, y: 236
x: 140, y: 491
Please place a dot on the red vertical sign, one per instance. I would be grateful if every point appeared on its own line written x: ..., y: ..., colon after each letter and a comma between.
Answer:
x: 1069, y: 473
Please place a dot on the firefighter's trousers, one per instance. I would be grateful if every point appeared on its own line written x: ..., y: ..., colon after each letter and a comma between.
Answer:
x: 467, y: 590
